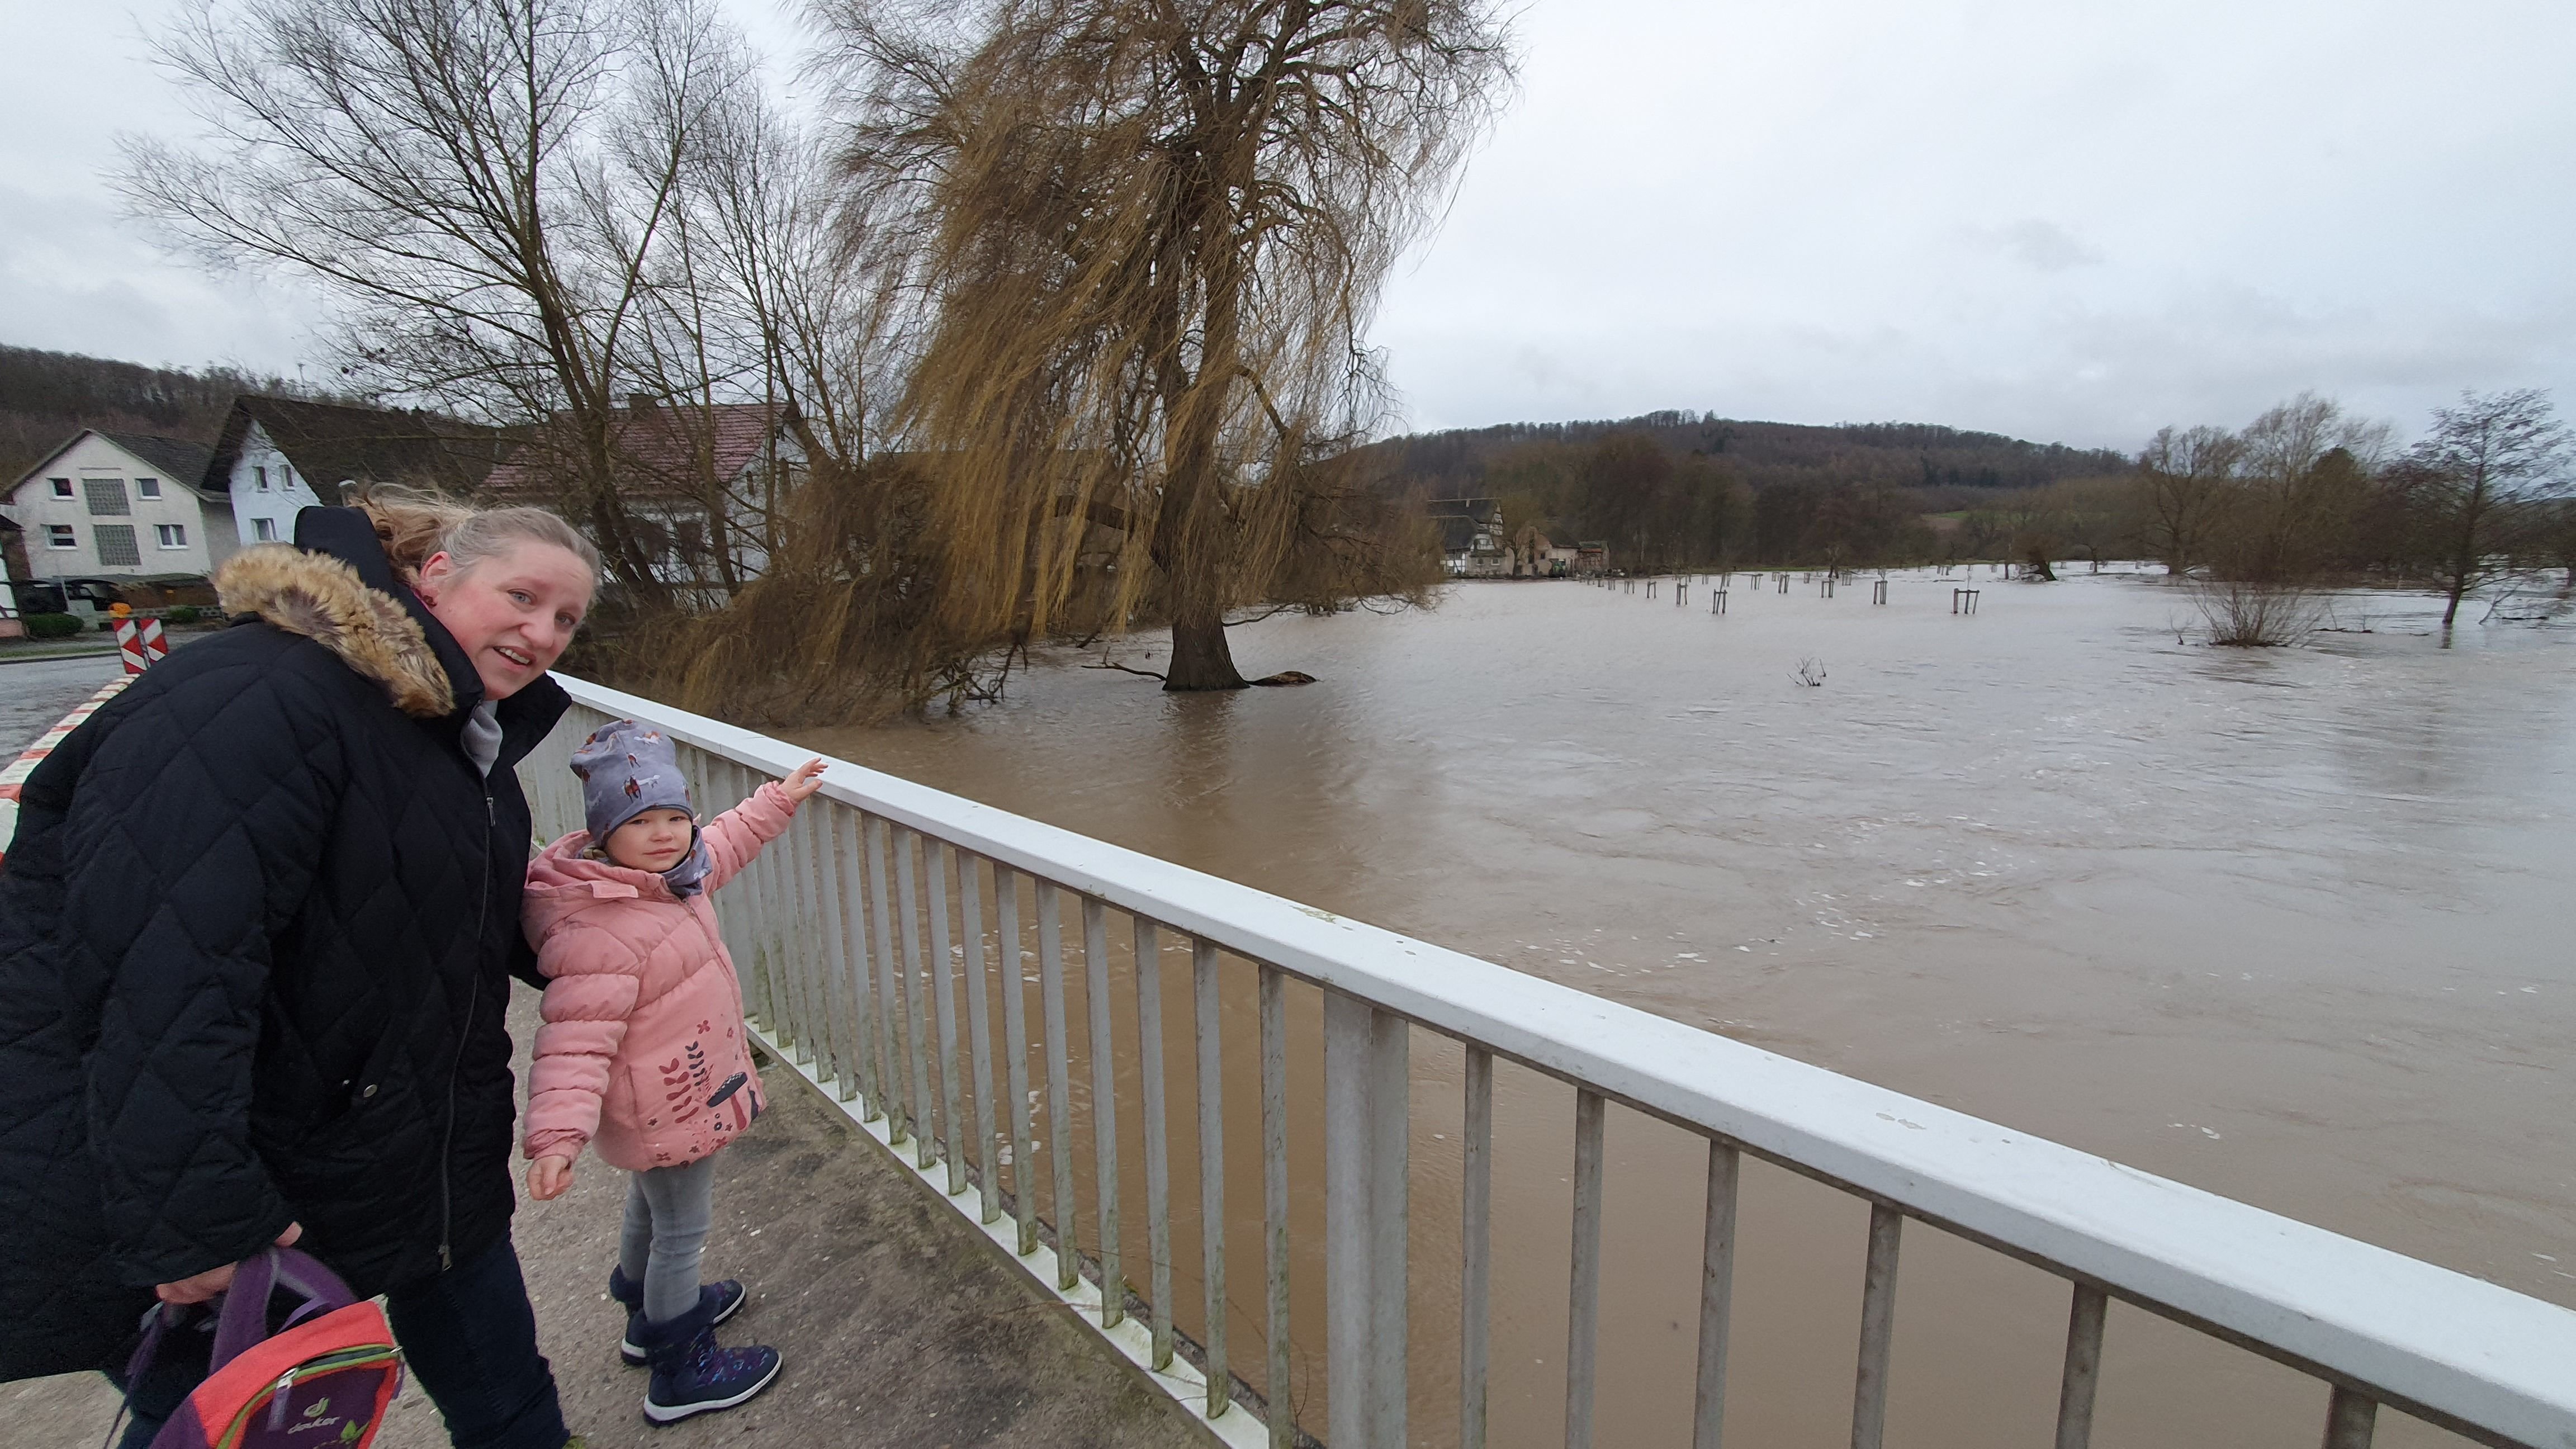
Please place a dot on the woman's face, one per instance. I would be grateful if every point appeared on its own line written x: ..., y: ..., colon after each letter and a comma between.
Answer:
x: 512, y: 613
x: 655, y: 840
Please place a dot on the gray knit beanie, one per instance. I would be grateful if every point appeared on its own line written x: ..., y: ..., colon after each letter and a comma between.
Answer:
x: 627, y: 769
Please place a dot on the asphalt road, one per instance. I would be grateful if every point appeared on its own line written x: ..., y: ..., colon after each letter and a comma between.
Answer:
x: 35, y: 694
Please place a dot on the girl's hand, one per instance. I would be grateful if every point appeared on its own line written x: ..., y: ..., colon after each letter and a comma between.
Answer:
x: 800, y: 787
x: 548, y: 1177
x: 205, y: 1285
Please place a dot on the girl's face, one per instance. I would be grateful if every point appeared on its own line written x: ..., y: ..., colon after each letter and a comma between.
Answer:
x: 512, y: 614
x: 655, y: 840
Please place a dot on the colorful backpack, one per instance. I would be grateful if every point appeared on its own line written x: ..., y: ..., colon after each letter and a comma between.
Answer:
x: 324, y: 1381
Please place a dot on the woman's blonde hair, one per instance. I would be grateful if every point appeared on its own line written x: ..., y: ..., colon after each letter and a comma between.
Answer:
x: 414, y: 524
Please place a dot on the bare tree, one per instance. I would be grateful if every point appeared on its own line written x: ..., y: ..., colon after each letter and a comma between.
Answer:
x: 2482, y: 480
x: 1153, y: 233
x: 489, y: 191
x: 2300, y: 485
x: 2186, y: 478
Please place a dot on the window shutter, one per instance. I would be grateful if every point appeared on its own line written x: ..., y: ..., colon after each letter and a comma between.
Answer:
x: 116, y: 543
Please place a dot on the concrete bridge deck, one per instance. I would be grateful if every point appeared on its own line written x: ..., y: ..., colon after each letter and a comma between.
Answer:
x: 901, y: 1325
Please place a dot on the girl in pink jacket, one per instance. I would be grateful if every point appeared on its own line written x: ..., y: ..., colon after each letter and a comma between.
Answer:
x: 643, y: 1053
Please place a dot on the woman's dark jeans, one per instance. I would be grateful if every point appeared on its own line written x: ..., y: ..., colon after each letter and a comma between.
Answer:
x: 468, y: 1336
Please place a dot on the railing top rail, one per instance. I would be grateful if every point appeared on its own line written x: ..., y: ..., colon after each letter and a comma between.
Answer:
x: 2419, y: 1335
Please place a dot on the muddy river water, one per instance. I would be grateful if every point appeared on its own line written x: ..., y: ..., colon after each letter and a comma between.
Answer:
x: 2289, y: 925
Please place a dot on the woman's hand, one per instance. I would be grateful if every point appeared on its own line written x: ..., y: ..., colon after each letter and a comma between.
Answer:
x: 800, y: 787
x: 207, y: 1284
x: 548, y: 1177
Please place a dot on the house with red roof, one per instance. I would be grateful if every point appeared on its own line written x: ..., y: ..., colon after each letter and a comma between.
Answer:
x: 701, y: 483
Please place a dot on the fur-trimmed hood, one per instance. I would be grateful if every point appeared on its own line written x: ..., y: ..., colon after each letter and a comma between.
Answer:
x: 323, y: 599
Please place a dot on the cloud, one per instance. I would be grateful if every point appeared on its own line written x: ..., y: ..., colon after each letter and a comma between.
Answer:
x: 2042, y: 246
x: 2068, y: 222
x: 79, y: 278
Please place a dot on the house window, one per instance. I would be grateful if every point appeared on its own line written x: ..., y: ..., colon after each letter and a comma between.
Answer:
x: 62, y: 487
x: 59, y: 535
x: 264, y: 529
x: 116, y: 546
x: 263, y: 478
x: 106, y: 498
x: 172, y: 535
x: 147, y: 487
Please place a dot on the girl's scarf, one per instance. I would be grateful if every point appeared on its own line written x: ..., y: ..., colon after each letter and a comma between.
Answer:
x: 690, y: 876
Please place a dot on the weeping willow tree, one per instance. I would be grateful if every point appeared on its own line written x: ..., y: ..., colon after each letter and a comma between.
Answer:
x: 1150, y: 235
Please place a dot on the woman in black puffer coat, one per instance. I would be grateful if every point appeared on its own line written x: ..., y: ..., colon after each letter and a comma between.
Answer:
x: 256, y: 935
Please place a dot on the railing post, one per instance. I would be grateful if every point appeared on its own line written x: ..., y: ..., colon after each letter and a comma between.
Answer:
x: 2350, y: 1419
x: 1877, y: 1327
x: 2083, y: 1368
x: 1365, y: 1142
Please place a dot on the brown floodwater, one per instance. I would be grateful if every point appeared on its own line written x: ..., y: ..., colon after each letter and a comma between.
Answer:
x: 2289, y: 925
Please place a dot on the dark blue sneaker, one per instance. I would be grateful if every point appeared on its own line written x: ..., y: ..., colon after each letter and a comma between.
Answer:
x: 723, y: 1299
x: 691, y: 1375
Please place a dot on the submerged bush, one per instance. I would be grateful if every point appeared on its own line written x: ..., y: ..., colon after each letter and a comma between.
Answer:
x: 2243, y: 613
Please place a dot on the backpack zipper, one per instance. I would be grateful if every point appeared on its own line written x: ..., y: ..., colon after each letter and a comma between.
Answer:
x: 361, y: 1357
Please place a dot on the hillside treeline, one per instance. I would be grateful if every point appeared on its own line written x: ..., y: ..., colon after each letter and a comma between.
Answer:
x: 1677, y: 488
x: 2308, y: 495
x: 2303, y: 494
x: 48, y: 397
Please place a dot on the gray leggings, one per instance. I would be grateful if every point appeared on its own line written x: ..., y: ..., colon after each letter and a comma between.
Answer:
x: 668, y: 1212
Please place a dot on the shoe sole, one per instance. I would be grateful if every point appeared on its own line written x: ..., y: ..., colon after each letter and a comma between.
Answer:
x: 633, y: 1353
x: 672, y: 1414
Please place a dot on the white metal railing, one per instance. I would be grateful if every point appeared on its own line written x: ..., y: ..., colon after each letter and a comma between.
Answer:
x: 818, y: 923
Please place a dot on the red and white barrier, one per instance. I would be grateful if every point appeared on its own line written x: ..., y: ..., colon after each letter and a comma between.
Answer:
x: 139, y: 644
x: 17, y: 771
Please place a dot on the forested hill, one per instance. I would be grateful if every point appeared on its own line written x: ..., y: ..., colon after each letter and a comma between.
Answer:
x: 46, y: 398
x: 1904, y: 455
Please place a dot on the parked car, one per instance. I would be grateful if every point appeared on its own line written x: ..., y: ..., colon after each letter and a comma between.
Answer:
x: 68, y: 596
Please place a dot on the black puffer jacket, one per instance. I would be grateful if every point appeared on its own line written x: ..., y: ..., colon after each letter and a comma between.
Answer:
x: 256, y: 931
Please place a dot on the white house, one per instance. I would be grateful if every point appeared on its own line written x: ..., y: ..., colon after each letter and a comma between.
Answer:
x: 1471, y: 536
x: 277, y: 455
x: 122, y: 506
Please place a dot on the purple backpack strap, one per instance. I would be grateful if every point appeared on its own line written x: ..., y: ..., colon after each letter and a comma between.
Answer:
x: 244, y: 1322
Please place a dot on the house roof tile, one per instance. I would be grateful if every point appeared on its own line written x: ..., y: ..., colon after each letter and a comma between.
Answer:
x: 334, y: 443
x: 662, y: 449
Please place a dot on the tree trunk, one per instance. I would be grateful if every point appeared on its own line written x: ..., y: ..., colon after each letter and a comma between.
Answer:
x: 1201, y: 656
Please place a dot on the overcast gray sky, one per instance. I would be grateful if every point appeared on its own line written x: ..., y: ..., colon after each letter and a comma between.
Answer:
x: 2063, y: 221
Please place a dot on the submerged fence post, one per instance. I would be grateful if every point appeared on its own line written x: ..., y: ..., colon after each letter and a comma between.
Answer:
x: 1365, y: 1142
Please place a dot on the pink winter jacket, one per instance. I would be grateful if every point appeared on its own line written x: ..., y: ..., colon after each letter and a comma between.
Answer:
x: 642, y: 1050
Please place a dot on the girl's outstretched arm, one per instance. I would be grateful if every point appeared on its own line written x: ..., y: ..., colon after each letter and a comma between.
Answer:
x: 734, y: 838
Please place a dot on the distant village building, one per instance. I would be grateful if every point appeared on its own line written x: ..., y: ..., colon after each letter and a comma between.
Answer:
x: 277, y: 455
x: 1535, y: 556
x: 700, y: 483
x: 13, y: 572
x: 127, y: 507
x: 1471, y: 537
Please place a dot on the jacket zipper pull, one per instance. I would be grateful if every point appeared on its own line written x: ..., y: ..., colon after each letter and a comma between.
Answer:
x: 277, y: 1397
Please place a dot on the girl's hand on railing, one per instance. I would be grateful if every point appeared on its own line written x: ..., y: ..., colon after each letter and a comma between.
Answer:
x: 548, y: 1177
x: 801, y: 786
